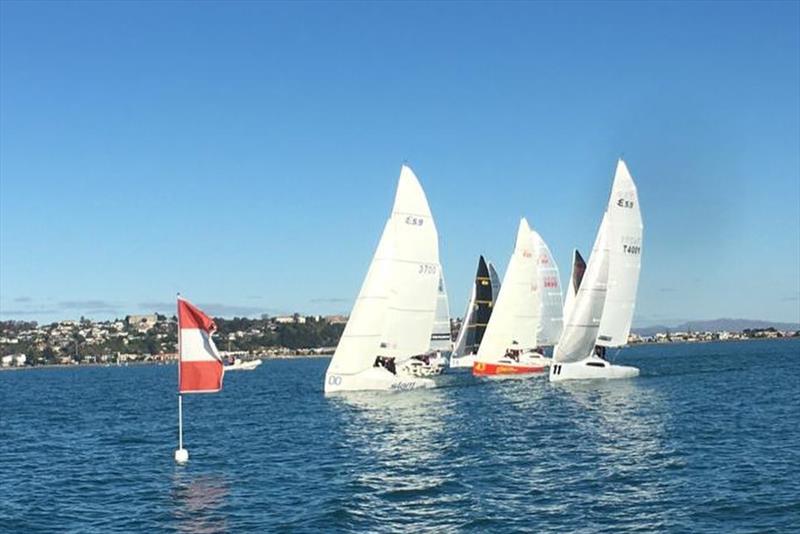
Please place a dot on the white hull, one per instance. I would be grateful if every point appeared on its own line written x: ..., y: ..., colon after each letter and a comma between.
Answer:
x: 419, y: 369
x: 243, y: 366
x: 535, y: 358
x: 375, y: 379
x: 464, y: 362
x: 589, y: 369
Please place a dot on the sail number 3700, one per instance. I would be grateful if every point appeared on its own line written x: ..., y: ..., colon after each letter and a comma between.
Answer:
x: 426, y: 268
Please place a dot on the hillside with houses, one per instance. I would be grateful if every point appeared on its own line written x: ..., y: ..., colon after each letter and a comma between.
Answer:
x: 153, y: 338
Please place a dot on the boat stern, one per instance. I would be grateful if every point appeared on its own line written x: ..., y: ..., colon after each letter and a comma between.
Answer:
x: 591, y: 368
x: 375, y: 379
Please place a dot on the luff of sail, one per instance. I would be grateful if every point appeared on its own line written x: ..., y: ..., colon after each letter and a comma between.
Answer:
x: 581, y: 326
x: 516, y: 314
x: 394, y: 312
x: 624, y: 263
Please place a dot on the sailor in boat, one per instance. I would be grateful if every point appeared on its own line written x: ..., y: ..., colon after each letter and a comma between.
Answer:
x: 600, y: 352
x: 387, y: 363
x: 513, y: 354
x: 427, y: 364
x: 424, y: 358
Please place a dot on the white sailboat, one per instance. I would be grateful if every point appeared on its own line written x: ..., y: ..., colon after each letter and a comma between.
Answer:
x: 392, y: 319
x: 527, y: 314
x: 601, y: 312
x: 479, y: 310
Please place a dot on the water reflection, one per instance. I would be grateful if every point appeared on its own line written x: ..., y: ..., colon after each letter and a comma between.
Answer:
x: 198, y: 502
x: 397, y: 427
x: 402, y: 443
x: 626, y: 423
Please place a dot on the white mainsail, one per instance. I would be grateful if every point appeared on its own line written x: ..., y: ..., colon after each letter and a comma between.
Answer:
x: 581, y: 326
x: 551, y: 320
x: 624, y: 249
x: 394, y: 312
x: 516, y: 313
x: 441, y: 337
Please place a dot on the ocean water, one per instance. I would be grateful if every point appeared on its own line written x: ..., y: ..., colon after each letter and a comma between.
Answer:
x: 706, y: 439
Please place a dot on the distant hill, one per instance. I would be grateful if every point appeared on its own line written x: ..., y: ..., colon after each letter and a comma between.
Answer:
x: 716, y: 325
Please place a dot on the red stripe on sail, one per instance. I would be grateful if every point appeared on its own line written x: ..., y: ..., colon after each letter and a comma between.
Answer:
x: 191, y: 317
x: 197, y: 377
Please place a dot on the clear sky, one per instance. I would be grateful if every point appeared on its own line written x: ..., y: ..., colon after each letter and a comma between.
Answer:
x: 246, y: 153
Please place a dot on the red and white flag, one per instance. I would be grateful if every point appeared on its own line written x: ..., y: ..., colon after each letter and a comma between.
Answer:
x: 200, y: 367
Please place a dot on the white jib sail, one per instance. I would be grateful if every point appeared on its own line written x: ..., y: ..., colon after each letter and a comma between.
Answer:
x: 362, y: 335
x: 440, y: 337
x: 624, y: 262
x: 581, y: 326
x: 551, y: 321
x: 516, y: 313
x: 394, y: 312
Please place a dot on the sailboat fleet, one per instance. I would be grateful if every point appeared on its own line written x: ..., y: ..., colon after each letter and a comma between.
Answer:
x: 398, y: 334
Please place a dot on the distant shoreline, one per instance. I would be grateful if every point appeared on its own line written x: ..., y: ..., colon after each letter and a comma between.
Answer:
x: 328, y: 355
x: 143, y: 364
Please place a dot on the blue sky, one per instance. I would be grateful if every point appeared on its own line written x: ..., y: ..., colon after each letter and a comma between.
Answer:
x: 246, y: 153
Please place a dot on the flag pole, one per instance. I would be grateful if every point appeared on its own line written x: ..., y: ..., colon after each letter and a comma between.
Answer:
x: 181, y: 455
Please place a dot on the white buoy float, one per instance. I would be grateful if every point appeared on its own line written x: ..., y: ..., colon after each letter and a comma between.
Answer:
x: 181, y: 456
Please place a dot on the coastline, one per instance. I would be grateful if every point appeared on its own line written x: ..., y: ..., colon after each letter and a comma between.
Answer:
x: 328, y: 355
x: 144, y: 364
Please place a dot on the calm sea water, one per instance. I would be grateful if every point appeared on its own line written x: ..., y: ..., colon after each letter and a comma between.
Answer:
x: 707, y: 439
